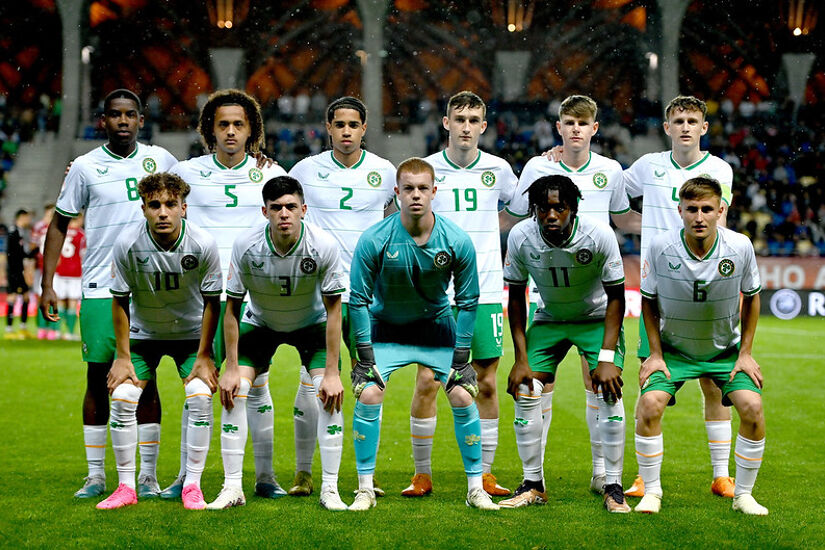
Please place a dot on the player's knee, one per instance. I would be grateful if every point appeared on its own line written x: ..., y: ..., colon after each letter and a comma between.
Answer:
x: 749, y: 408
x: 198, y: 397
x: 125, y: 399
x: 260, y: 386
x: 459, y: 397
x: 651, y: 406
x: 710, y: 390
x: 426, y: 386
x: 372, y: 395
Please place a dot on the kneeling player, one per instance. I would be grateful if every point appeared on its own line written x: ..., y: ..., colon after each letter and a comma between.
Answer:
x: 293, y: 273
x: 172, y: 271
x: 401, y: 314
x: 575, y: 263
x: 691, y: 282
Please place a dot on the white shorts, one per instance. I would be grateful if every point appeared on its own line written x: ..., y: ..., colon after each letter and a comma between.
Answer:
x: 68, y: 288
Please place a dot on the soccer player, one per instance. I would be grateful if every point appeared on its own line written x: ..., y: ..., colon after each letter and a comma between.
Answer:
x: 171, y: 270
x: 347, y: 190
x: 104, y: 183
x: 19, y: 250
x: 67, y: 279
x: 600, y: 181
x: 225, y: 201
x: 292, y: 271
x: 576, y: 265
x: 657, y: 177
x: 691, y: 284
x: 471, y: 186
x: 401, y: 314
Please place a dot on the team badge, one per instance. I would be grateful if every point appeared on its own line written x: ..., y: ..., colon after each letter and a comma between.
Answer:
x: 584, y: 256
x: 256, y: 175
x: 189, y: 262
x: 374, y: 179
x: 600, y: 180
x: 488, y: 178
x: 308, y: 266
x: 442, y: 260
x: 726, y: 267
x: 150, y: 165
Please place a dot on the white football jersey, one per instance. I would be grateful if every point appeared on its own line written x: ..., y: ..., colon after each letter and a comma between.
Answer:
x: 571, y: 277
x: 699, y: 298
x: 345, y: 201
x: 469, y: 197
x: 599, y: 180
x: 167, y: 286
x: 225, y: 201
x: 657, y: 178
x: 105, y: 186
x: 285, y: 291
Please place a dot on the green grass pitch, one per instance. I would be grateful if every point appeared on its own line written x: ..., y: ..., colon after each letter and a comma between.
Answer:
x: 42, y: 464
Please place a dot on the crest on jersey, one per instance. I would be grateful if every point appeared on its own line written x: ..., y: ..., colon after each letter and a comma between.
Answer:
x: 584, y: 256
x: 374, y: 179
x: 150, y: 165
x: 726, y: 267
x: 309, y: 266
x: 256, y: 175
x: 600, y: 180
x: 442, y: 259
x: 488, y: 178
x: 189, y: 262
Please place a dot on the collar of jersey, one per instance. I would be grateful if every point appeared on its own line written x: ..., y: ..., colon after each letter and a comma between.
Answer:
x: 456, y: 166
x: 692, y: 166
x: 354, y: 166
x: 177, y: 242
x: 586, y: 164
x: 118, y: 157
x: 272, y: 245
x: 567, y: 242
x: 236, y: 167
x: 691, y: 254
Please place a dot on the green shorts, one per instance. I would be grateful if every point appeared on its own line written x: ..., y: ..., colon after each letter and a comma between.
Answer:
x: 96, y: 330
x: 683, y: 368
x: 643, y: 351
x: 347, y: 332
x: 257, y: 345
x: 146, y: 355
x: 548, y: 343
x: 488, y: 331
x: 218, y: 343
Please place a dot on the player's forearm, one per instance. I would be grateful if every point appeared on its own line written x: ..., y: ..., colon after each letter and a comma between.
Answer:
x: 650, y: 314
x: 614, y: 315
x: 333, y: 334
x: 465, y: 323
x: 629, y: 222
x: 750, y: 317
x: 209, y: 325
x: 517, y: 317
x: 53, y: 246
x: 361, y: 326
x: 120, y: 320
x: 231, y: 331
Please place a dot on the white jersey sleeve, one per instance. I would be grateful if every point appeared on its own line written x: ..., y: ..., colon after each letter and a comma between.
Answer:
x: 520, y: 202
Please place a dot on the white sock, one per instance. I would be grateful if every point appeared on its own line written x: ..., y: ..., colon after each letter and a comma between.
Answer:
x: 260, y: 417
x: 592, y: 416
x: 149, y: 443
x: 184, y: 424
x: 123, y: 426
x: 474, y: 482
x: 611, y: 435
x: 748, y: 457
x: 305, y: 420
x: 199, y: 401
x: 528, y: 425
x: 719, y: 436
x: 365, y: 482
x: 94, y: 439
x: 489, y: 443
x: 330, y: 440
x: 649, y: 454
x: 422, y: 431
x: 233, y: 437
x: 546, y: 418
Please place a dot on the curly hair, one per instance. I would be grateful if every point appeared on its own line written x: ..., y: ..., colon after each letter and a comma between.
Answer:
x: 154, y: 184
x: 569, y: 192
x: 686, y: 103
x: 206, y: 124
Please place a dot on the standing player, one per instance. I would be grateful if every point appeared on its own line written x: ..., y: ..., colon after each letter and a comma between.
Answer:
x: 172, y: 272
x: 401, y: 314
x: 292, y: 271
x: 691, y: 284
x: 104, y: 182
x: 67, y: 279
x: 471, y: 186
x: 225, y: 201
x: 575, y: 262
x: 19, y: 250
x: 347, y: 190
x: 658, y: 177
x: 604, y: 198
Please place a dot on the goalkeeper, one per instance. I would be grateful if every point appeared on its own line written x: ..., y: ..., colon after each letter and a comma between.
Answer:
x: 400, y: 313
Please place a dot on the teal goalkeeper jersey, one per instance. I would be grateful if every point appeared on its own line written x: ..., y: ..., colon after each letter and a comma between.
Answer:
x: 397, y: 282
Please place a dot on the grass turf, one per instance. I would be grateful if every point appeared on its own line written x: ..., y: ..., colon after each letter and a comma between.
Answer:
x: 42, y: 464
